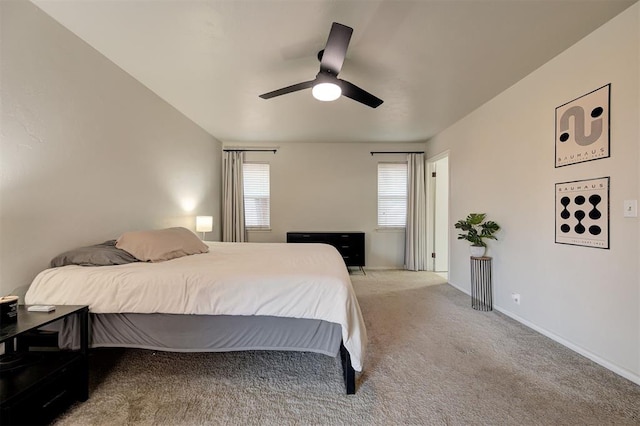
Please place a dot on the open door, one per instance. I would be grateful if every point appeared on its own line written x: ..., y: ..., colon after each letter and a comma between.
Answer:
x: 439, y: 212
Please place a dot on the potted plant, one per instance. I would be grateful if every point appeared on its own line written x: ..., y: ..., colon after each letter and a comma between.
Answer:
x: 476, y: 230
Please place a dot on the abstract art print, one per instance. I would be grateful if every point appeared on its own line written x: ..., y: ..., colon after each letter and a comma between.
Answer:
x: 582, y: 213
x: 582, y: 128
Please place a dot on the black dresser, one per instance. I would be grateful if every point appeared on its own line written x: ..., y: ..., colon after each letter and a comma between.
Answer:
x: 349, y: 244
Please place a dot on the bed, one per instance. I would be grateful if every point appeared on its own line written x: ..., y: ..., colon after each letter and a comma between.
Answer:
x: 236, y: 296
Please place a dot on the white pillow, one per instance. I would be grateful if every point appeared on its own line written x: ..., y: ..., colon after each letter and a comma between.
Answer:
x: 161, y: 244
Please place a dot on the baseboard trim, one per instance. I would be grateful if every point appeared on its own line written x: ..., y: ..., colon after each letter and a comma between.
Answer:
x: 580, y: 350
x: 383, y: 268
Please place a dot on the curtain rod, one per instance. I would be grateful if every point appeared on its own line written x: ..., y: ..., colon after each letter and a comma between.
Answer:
x: 250, y: 150
x: 396, y: 152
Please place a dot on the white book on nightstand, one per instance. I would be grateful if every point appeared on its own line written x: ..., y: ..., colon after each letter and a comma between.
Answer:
x: 41, y: 308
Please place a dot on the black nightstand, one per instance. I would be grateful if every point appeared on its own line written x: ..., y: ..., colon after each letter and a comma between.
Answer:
x: 36, y: 385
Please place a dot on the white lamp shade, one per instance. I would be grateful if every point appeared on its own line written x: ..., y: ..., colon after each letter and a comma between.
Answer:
x: 204, y: 223
x: 326, y: 91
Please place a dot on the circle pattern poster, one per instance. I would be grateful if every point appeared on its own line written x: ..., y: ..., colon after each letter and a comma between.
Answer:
x: 582, y: 213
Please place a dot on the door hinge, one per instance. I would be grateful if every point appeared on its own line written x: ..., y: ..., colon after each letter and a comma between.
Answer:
x: 433, y: 255
x: 433, y: 174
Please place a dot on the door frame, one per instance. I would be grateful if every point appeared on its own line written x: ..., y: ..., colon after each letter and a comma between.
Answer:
x: 431, y: 209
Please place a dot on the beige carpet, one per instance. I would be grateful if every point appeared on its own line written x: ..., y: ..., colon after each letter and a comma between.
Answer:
x: 432, y: 360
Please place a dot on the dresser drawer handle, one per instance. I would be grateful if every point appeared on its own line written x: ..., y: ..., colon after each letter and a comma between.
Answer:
x: 345, y: 246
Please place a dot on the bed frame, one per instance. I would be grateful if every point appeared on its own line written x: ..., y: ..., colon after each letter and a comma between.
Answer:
x: 213, y: 333
x: 349, y: 373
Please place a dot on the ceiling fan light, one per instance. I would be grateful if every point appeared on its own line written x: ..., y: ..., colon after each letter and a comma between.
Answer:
x: 326, y: 91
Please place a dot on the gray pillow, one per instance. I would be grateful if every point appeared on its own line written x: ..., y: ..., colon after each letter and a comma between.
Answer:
x: 104, y: 254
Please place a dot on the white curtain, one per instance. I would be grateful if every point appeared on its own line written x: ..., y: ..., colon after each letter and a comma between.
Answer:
x: 415, y: 254
x: 233, y: 229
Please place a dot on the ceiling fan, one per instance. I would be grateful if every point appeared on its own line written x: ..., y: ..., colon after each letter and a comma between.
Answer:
x: 327, y: 86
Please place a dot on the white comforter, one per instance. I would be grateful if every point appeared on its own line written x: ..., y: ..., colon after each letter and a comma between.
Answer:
x: 275, y: 279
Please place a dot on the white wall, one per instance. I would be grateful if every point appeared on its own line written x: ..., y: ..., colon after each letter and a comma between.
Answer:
x: 87, y: 152
x: 502, y: 163
x: 331, y: 187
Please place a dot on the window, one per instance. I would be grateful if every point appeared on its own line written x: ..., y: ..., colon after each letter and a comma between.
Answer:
x: 392, y: 195
x: 256, y: 195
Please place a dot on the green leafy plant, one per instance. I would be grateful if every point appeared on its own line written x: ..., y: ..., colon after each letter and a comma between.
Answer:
x: 476, y: 229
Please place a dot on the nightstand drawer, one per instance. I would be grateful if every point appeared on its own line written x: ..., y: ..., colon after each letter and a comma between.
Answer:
x: 47, y: 399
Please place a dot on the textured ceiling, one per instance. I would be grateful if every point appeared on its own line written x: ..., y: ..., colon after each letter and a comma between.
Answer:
x: 432, y: 62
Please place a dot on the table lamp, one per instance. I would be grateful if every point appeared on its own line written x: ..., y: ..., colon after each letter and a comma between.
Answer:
x: 204, y: 224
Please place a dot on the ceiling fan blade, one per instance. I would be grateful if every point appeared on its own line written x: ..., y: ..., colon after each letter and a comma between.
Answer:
x: 352, y: 91
x: 288, y: 89
x: 336, y: 48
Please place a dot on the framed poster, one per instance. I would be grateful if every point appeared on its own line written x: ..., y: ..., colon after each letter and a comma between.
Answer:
x: 582, y: 128
x: 582, y: 213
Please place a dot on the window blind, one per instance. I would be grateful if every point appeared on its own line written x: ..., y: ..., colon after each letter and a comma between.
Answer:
x: 257, y: 204
x: 392, y: 194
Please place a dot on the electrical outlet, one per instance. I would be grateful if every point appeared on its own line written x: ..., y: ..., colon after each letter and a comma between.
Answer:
x: 516, y: 298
